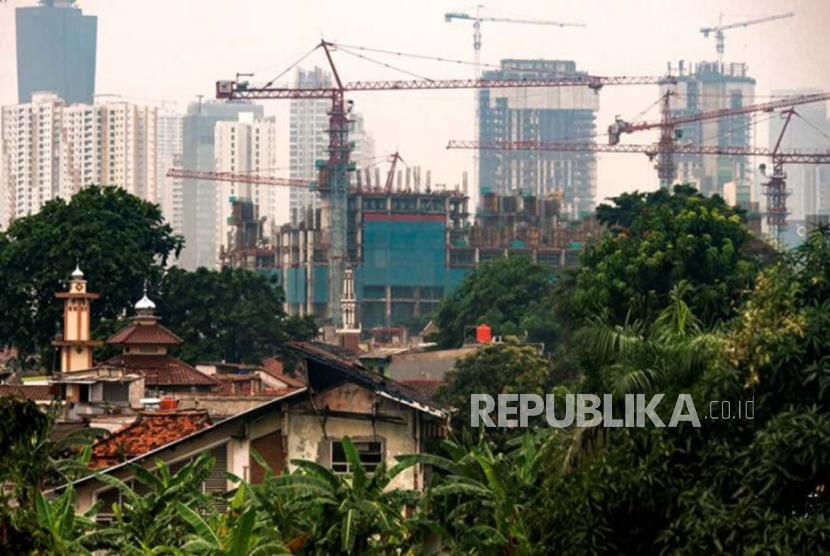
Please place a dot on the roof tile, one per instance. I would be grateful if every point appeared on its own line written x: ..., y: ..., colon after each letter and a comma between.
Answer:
x: 152, y: 334
x: 34, y: 392
x: 160, y: 370
x: 149, y: 432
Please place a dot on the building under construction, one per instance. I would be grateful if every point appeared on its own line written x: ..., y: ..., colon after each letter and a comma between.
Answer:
x: 705, y: 87
x: 408, y: 248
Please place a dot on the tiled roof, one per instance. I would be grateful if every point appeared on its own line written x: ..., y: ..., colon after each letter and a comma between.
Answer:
x: 145, y: 335
x: 148, y: 432
x: 33, y: 392
x: 160, y: 370
x: 423, y: 387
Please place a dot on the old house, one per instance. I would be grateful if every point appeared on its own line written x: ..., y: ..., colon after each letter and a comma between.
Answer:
x: 339, y: 398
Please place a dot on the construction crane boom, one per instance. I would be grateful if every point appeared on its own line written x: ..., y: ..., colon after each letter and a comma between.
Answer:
x: 620, y: 126
x: 237, y: 177
x: 720, y: 28
x: 449, y: 16
x: 227, y: 89
x: 792, y: 157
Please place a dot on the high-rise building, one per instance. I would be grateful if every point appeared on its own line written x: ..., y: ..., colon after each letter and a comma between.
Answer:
x: 199, y: 196
x: 56, y: 51
x: 51, y: 149
x: 308, y: 141
x: 364, y: 143
x: 809, y: 192
x: 246, y: 146
x: 169, y: 155
x: 553, y: 114
x: 704, y: 87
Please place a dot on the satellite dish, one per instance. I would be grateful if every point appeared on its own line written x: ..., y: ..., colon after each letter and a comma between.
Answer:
x: 801, y: 231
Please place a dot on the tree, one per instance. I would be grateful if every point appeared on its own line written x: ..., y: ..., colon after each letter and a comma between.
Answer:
x: 493, y: 369
x: 149, y: 521
x: 749, y: 485
x: 33, y: 461
x: 512, y: 296
x: 477, y: 502
x: 658, y: 240
x: 237, y: 532
x: 119, y: 241
x: 347, y: 514
x: 227, y: 315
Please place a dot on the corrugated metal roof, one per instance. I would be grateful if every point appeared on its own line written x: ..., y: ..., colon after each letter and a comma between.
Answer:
x: 385, y: 386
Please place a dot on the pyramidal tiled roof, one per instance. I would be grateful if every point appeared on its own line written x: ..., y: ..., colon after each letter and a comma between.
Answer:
x: 144, y: 335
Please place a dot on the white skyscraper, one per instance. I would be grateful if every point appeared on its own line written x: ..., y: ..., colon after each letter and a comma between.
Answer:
x: 52, y: 150
x: 246, y: 146
x: 308, y: 141
x: 170, y: 131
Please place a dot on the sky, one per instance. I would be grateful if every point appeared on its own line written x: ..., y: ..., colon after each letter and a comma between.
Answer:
x: 174, y: 50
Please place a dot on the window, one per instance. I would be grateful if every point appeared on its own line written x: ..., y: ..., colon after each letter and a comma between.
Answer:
x: 116, y: 392
x: 370, y: 452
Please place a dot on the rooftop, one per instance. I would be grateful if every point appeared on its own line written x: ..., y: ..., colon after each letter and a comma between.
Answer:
x: 137, y: 334
x: 160, y: 370
x: 150, y: 431
x: 37, y: 393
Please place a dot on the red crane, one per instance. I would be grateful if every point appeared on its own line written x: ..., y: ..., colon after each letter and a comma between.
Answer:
x: 776, y: 186
x: 334, y: 181
x: 238, y: 177
x: 666, y: 168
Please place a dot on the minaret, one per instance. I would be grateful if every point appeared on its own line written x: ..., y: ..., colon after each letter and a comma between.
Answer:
x: 349, y: 332
x: 75, y: 343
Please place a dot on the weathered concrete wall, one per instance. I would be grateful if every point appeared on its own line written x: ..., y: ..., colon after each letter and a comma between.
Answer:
x: 309, y: 438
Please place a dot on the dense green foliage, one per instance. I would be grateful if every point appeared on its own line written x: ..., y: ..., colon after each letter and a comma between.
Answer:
x: 495, y: 369
x: 512, y: 296
x: 658, y: 240
x: 228, y: 315
x: 119, y: 241
x: 754, y: 485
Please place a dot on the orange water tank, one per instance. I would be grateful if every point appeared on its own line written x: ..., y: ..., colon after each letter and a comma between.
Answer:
x: 169, y: 404
x: 484, y: 334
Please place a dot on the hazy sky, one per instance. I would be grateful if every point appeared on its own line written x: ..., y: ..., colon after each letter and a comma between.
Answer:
x: 152, y: 50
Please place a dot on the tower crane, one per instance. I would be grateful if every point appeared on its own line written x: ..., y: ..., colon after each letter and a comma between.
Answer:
x: 776, y: 188
x: 334, y: 172
x: 666, y: 167
x: 720, y: 28
x: 477, y: 18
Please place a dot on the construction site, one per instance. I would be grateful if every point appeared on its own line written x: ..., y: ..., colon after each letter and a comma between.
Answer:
x: 400, y: 245
x: 408, y: 248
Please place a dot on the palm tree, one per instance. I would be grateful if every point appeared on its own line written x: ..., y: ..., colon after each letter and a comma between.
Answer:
x: 477, y: 507
x: 235, y: 533
x: 666, y: 355
x: 67, y: 533
x: 150, y: 523
x: 347, y: 514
